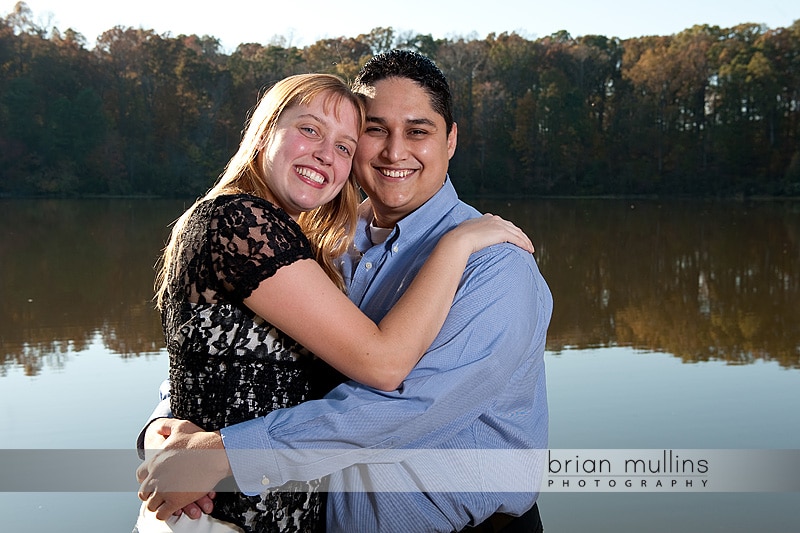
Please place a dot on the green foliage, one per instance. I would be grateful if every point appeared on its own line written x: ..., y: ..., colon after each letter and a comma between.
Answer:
x: 708, y: 111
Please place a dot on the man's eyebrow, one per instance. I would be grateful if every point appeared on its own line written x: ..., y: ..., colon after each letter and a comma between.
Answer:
x: 411, y: 121
x: 421, y: 122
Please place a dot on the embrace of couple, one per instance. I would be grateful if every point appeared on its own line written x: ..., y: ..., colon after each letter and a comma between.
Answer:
x: 330, y: 361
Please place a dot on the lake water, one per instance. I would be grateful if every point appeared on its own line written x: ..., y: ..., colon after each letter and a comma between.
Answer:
x: 676, y: 326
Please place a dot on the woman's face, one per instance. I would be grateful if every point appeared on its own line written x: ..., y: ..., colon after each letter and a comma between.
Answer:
x: 308, y: 160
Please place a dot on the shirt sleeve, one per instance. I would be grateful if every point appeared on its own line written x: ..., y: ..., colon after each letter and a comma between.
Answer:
x: 481, y: 364
x: 162, y: 410
x: 249, y: 240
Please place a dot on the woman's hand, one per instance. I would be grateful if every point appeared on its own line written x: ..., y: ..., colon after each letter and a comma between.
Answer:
x: 478, y: 233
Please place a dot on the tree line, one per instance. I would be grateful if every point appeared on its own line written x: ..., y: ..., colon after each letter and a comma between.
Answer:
x: 709, y: 111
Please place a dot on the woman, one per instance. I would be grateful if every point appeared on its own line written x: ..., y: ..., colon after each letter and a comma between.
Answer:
x: 243, y: 301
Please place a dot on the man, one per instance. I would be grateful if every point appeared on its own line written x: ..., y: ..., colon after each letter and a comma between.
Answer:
x: 480, y: 386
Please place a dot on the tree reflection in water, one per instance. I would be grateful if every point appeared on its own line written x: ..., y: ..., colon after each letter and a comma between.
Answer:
x: 697, y: 279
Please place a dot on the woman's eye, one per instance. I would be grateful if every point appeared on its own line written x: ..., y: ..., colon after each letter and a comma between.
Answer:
x: 344, y: 149
x: 309, y: 130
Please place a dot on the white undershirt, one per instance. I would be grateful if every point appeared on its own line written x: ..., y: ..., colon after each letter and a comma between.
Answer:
x: 378, y: 235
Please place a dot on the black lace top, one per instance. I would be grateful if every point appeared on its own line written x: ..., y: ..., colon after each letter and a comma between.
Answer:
x: 228, y: 365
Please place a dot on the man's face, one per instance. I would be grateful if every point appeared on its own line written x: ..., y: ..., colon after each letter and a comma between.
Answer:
x: 402, y: 156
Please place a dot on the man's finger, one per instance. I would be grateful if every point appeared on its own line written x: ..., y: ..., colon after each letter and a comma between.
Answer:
x: 206, y: 503
x: 154, y: 503
x: 142, y: 472
x: 193, y: 511
x: 164, y: 511
x: 163, y: 426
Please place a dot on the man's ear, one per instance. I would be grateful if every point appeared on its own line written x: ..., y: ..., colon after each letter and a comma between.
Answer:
x: 452, y: 141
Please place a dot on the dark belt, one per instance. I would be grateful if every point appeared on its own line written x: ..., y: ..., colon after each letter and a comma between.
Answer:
x: 529, y: 522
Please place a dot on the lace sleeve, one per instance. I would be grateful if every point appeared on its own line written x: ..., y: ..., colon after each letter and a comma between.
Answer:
x: 249, y: 240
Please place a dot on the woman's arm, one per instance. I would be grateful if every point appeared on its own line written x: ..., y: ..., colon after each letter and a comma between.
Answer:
x: 301, y: 301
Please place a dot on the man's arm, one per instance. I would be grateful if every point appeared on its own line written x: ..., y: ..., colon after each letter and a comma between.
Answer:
x: 147, y: 440
x: 184, y: 471
x: 495, y: 330
x: 152, y: 436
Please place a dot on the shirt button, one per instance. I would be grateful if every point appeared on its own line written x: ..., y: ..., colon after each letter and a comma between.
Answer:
x: 265, y: 480
x: 395, y: 248
x: 367, y: 265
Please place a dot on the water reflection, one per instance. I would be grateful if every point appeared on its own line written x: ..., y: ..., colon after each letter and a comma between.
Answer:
x: 698, y: 280
x: 73, y: 269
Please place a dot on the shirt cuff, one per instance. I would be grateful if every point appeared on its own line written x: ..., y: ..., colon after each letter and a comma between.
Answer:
x: 253, y: 463
x: 162, y: 410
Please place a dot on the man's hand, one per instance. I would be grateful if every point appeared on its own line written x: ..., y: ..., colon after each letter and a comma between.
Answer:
x: 195, y: 509
x: 154, y: 438
x: 155, y: 435
x: 189, y: 463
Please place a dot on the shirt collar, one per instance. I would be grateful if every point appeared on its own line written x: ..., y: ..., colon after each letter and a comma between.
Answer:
x: 414, y: 225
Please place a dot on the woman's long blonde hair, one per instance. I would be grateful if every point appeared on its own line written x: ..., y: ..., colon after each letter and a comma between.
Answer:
x: 330, y: 228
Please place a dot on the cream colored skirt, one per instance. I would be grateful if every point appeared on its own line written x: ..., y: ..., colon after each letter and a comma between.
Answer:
x: 148, y: 523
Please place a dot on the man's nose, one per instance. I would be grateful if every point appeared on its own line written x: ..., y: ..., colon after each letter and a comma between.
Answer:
x: 395, y: 148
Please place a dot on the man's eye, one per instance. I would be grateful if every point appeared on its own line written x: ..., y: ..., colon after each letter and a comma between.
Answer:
x: 309, y: 129
x: 344, y: 149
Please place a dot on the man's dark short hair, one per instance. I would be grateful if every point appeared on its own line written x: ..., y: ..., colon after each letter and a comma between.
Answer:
x: 417, y: 68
